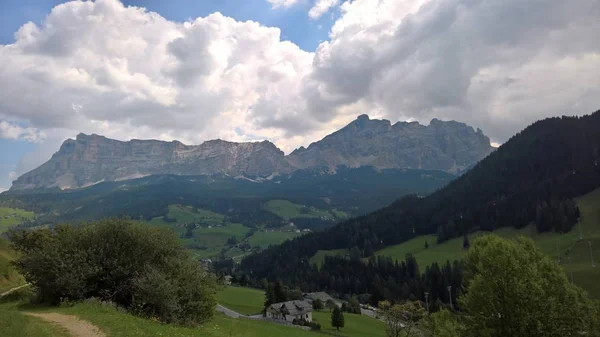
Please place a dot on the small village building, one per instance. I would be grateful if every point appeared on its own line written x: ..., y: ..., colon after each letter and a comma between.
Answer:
x: 290, y: 311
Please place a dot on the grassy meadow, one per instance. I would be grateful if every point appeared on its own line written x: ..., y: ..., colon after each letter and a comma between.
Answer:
x: 265, y: 239
x: 208, y: 242
x: 289, y: 210
x: 354, y: 325
x: 14, y: 323
x: 246, y: 301
x: 553, y: 244
x: 319, y: 257
x: 9, y: 278
x: 13, y: 216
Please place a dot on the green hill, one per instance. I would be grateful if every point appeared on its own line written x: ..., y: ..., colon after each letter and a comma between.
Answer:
x: 552, y: 243
x: 9, y: 277
x: 530, y: 182
x: 13, y: 216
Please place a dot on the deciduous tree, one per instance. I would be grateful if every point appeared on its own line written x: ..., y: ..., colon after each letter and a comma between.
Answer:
x: 513, y: 289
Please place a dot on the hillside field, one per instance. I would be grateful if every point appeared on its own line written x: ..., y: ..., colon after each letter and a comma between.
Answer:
x: 289, y: 210
x: 9, y: 278
x: 246, y: 301
x: 265, y: 239
x: 319, y: 257
x: 553, y: 244
x: 211, y: 237
x: 13, y: 216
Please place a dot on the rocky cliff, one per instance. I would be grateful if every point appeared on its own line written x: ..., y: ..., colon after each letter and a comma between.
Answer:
x: 89, y: 159
x: 446, y: 146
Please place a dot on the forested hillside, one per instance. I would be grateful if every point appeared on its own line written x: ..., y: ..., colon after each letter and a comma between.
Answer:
x: 531, y: 179
x: 353, y: 191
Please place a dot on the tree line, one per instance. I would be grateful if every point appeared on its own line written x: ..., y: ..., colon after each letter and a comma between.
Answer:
x: 379, y: 278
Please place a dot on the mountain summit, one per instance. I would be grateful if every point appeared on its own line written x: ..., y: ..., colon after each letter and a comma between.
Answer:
x: 446, y: 146
x: 89, y: 159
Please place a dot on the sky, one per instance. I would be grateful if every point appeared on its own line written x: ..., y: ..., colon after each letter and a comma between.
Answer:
x: 289, y: 71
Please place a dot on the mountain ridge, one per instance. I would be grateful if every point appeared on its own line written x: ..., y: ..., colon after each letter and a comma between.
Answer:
x: 531, y: 180
x: 448, y: 146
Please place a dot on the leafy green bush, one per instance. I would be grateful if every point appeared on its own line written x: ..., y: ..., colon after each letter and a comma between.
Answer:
x: 140, y: 268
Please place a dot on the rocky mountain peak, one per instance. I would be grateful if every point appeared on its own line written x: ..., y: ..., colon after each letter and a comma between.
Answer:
x: 442, y: 145
x: 88, y: 159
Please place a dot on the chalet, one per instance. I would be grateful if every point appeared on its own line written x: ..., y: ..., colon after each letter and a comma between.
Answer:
x: 290, y: 311
x: 322, y: 296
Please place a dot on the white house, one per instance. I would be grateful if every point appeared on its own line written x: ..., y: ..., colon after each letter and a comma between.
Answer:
x: 290, y: 311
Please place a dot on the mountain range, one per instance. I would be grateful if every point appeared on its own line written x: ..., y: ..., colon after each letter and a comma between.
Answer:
x: 531, y: 180
x: 447, y: 146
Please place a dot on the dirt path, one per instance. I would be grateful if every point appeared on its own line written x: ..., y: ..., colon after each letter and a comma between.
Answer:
x: 75, y: 326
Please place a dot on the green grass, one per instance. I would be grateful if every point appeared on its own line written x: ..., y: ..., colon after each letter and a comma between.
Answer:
x: 250, y: 301
x: 289, y: 210
x: 187, y: 214
x: 320, y: 255
x: 265, y: 239
x: 13, y: 216
x: 14, y: 323
x: 552, y: 244
x: 9, y: 278
x: 354, y: 325
x: 117, y: 323
x: 246, y: 301
x: 217, y: 236
x: 213, y: 239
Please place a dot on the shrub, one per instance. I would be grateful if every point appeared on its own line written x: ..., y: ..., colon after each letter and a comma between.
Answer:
x: 315, y: 326
x: 140, y: 268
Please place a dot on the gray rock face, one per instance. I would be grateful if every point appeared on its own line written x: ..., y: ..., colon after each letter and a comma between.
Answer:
x: 446, y: 146
x: 91, y: 159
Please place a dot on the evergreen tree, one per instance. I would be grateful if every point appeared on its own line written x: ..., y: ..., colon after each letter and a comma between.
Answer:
x: 426, y: 245
x: 337, y: 318
x: 317, y: 304
x: 466, y: 243
x: 279, y: 293
x: 355, y: 254
x: 269, y: 297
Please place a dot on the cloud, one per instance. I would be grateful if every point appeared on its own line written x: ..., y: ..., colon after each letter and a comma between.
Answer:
x: 496, y: 64
x: 127, y: 73
x: 321, y: 7
x: 12, y: 175
x: 124, y: 72
x: 282, y: 3
x: 14, y: 131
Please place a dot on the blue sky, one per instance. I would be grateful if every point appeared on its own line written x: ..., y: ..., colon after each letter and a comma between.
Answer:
x: 295, y: 25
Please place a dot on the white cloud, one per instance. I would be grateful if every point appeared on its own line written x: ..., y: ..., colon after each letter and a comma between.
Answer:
x: 282, y: 3
x: 127, y: 73
x: 12, y: 175
x: 101, y: 67
x: 496, y: 64
x: 321, y: 7
x: 14, y: 131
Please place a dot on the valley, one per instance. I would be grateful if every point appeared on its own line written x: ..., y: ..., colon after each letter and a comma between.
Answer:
x: 366, y: 235
x: 208, y: 234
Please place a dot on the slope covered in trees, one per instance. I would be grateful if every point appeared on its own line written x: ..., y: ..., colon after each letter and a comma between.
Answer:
x: 531, y: 179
